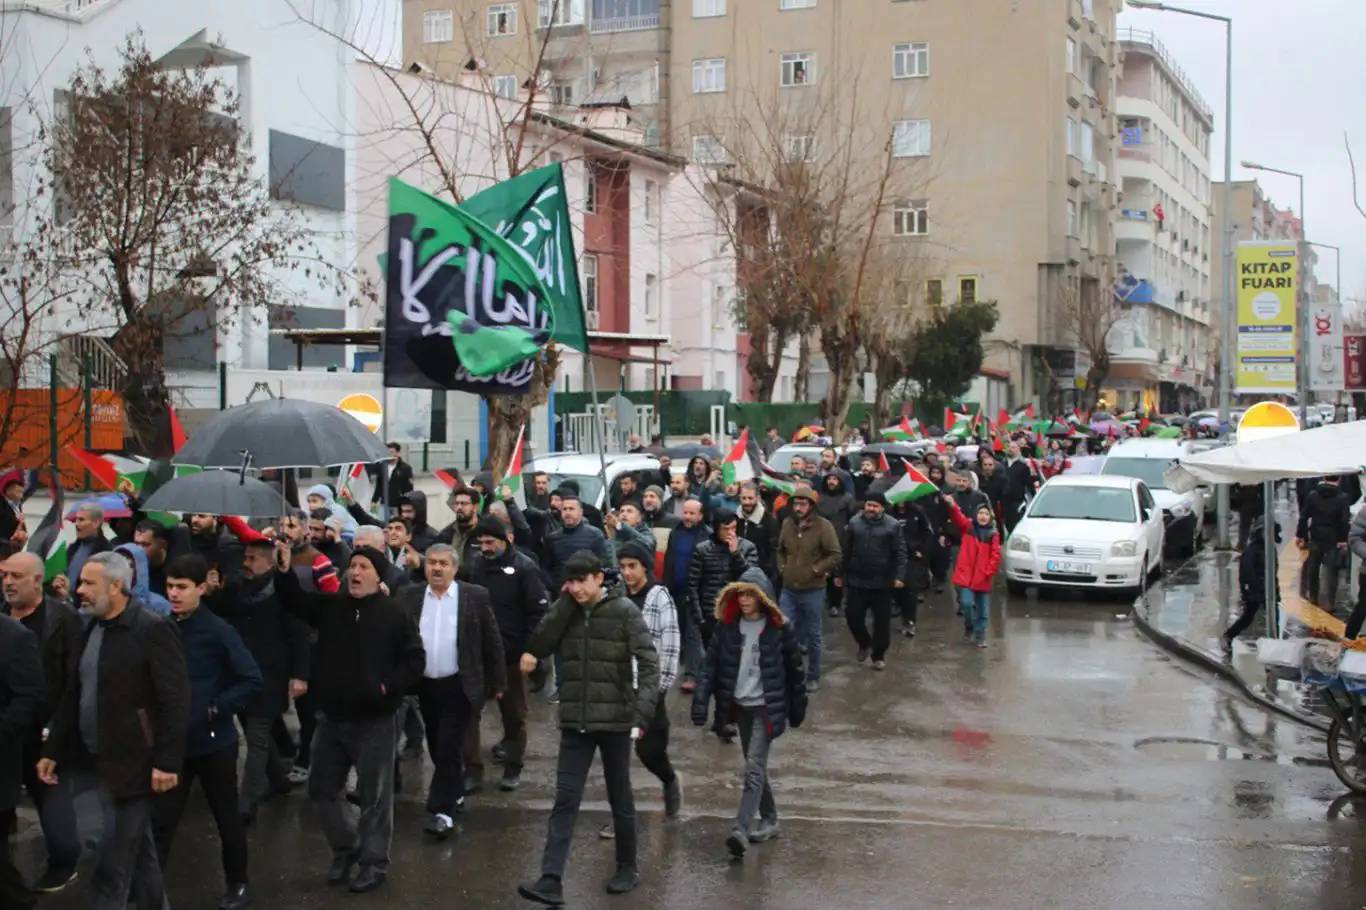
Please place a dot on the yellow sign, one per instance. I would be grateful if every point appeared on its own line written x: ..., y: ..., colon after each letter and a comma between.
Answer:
x: 1268, y: 281
x: 364, y: 408
x: 1265, y: 420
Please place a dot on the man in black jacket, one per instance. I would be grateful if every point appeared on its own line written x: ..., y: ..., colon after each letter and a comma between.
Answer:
x: 994, y: 482
x: 223, y: 679
x: 279, y: 644
x: 369, y: 655
x: 396, y: 472
x: 678, y: 556
x: 718, y: 561
x: 759, y: 527
x: 413, y: 508
x: 652, y: 502
x: 575, y: 534
x: 874, y: 565
x: 130, y: 664
x: 519, y: 601
x: 919, y: 536
x: 22, y: 709
x: 1023, y: 482
x: 58, y: 628
x: 1325, y: 521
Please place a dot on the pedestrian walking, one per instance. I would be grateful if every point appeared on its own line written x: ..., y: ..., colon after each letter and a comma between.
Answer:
x: 918, y: 535
x: 836, y: 505
x: 610, y: 680
x: 130, y: 664
x: 519, y: 601
x: 754, y: 675
x: 23, y: 707
x: 1252, y: 584
x: 678, y: 556
x: 224, y: 679
x: 465, y: 666
x: 657, y: 608
x: 58, y: 628
x: 875, y: 565
x: 279, y: 644
x: 808, y: 551
x: 979, y: 556
x: 368, y: 656
x: 1325, y: 522
x: 759, y: 527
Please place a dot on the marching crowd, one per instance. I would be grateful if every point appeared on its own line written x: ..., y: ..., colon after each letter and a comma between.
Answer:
x: 170, y: 656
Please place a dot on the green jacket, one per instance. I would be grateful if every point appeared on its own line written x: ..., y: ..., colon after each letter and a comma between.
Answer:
x: 609, y: 671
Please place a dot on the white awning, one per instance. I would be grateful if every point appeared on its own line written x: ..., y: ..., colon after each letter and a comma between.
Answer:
x: 1337, y: 448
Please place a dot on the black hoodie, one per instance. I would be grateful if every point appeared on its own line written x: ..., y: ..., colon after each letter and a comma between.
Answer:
x: 424, y: 535
x: 1326, y: 517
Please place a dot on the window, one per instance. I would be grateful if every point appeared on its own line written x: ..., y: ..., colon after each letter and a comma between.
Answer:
x: 651, y: 296
x: 1088, y: 148
x: 590, y: 282
x: 934, y: 292
x: 799, y: 68
x: 562, y: 94
x: 718, y: 306
x: 911, y: 219
x: 799, y: 147
x: 709, y: 75
x: 910, y: 138
x: 720, y: 382
x: 967, y: 289
x: 1071, y: 218
x: 1071, y: 55
x: 651, y: 200
x: 560, y: 12
x: 708, y: 150
x: 910, y: 61
x: 796, y: 4
x: 590, y: 188
x: 1072, y: 137
x: 505, y: 86
x: 438, y: 26
x: 705, y: 9
x: 502, y: 19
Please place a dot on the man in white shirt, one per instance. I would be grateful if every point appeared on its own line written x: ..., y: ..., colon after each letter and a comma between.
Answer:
x: 465, y: 666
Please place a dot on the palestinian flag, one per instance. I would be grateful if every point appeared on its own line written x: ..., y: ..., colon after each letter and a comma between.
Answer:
x: 950, y: 420
x: 356, y: 482
x: 737, y: 468
x: 512, y: 479
x: 1020, y: 418
x: 905, y: 431
x: 145, y: 474
x: 882, y: 463
x: 959, y: 426
x: 53, y: 536
x: 786, y: 487
x: 912, y: 486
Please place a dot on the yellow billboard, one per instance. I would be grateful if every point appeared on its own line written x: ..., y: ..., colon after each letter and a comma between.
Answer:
x: 1268, y: 282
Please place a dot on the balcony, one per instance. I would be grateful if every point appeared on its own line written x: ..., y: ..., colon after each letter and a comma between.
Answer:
x: 616, y: 24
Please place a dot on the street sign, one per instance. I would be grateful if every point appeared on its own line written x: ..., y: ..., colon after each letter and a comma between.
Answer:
x: 1267, y: 420
x: 1354, y: 362
x: 365, y: 408
x: 1327, y: 363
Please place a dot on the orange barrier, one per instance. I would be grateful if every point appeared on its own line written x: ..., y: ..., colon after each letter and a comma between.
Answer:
x: 28, y: 443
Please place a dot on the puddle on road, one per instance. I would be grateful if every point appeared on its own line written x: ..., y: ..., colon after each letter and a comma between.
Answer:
x: 1176, y: 748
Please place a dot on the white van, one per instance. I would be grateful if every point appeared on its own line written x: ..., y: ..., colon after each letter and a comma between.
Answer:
x: 1150, y: 459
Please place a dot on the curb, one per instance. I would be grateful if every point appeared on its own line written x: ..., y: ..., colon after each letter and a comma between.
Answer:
x: 1215, y: 664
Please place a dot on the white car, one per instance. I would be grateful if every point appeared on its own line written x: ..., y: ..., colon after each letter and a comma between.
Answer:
x: 1087, y: 531
x: 586, y: 471
x: 1149, y: 460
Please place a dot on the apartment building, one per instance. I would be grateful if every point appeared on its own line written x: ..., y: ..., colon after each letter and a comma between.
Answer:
x: 1160, y: 345
x: 995, y: 119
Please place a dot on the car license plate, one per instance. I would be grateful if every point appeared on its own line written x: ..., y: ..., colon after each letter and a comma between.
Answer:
x: 1069, y: 568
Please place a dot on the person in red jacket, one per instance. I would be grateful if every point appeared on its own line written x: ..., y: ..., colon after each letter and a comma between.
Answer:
x: 979, y: 556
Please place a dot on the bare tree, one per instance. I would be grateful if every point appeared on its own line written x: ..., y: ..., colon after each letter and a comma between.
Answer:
x: 1085, y: 314
x: 898, y: 285
x: 833, y: 185
x: 161, y: 221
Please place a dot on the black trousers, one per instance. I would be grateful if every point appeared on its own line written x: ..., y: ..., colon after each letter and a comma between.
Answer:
x: 834, y: 594
x: 907, y: 599
x: 571, y: 774
x: 940, y: 560
x: 307, y: 709
x: 878, y: 601
x: 653, y: 746
x: 1321, y: 569
x: 217, y: 776
x: 1358, y: 617
x: 1244, y: 620
x: 446, y: 711
x: 14, y: 891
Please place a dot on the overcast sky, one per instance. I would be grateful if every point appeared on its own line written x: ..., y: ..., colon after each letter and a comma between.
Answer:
x: 1298, y: 83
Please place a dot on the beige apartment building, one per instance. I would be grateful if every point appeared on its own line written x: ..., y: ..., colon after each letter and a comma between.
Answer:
x: 975, y: 109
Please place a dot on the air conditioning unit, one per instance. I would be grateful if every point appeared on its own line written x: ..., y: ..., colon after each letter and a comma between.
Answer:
x: 591, y: 319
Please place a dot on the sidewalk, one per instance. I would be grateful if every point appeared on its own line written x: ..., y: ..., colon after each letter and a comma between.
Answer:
x: 1186, y: 613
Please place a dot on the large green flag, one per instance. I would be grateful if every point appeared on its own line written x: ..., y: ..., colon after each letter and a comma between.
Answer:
x: 450, y: 274
x: 531, y: 210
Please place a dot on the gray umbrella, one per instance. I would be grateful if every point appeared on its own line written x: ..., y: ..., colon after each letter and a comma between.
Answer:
x: 282, y: 433
x: 217, y: 493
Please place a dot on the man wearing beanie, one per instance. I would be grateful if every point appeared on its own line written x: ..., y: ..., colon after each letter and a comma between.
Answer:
x: 368, y: 656
x: 874, y: 551
x: 519, y: 600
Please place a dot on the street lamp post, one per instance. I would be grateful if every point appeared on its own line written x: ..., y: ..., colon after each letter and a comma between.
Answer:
x: 1302, y: 348
x: 1229, y: 323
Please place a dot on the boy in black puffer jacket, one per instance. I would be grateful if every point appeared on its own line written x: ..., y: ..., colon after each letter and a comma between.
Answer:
x: 754, y: 671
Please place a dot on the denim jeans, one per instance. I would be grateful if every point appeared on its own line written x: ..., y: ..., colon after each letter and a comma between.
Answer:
x: 755, y: 743
x: 127, y: 867
x: 804, y: 610
x: 976, y: 605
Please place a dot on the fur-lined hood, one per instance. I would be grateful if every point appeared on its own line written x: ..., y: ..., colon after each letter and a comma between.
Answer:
x: 753, y: 581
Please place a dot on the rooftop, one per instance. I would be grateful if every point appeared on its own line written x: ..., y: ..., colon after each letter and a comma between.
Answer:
x: 1147, y: 42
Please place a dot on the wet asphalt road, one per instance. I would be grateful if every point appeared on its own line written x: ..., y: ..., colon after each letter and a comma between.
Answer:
x: 1072, y: 764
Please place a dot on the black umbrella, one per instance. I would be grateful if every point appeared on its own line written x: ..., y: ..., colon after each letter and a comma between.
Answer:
x: 690, y: 450
x: 218, y: 493
x: 282, y: 433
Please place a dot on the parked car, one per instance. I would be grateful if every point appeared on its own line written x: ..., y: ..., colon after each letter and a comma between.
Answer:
x: 781, y: 460
x: 1149, y: 460
x: 1087, y: 531
x: 586, y: 470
